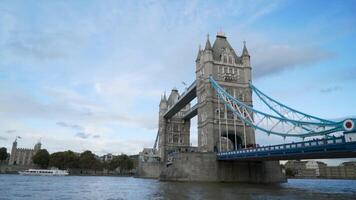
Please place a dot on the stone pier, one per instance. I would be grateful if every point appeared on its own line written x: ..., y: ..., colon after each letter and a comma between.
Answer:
x: 205, y: 167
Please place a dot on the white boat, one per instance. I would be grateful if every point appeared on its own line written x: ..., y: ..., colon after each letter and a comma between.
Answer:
x: 44, y: 172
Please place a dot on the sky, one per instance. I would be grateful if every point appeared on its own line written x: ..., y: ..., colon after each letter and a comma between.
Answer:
x: 89, y: 74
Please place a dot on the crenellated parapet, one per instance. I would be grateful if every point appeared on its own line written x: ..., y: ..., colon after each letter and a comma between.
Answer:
x: 22, y: 156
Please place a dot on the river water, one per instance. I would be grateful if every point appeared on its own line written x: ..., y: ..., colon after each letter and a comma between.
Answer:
x: 90, y: 187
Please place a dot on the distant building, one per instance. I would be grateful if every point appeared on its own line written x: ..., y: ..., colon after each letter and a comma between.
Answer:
x: 305, y: 168
x: 22, y: 156
x: 313, y: 165
x: 313, y: 169
x: 346, y: 170
x: 106, y: 158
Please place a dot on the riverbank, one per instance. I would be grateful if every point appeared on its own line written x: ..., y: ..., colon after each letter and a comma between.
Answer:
x: 14, y: 169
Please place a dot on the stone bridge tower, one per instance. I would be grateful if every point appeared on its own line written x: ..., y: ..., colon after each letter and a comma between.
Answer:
x: 175, y: 132
x: 232, y: 72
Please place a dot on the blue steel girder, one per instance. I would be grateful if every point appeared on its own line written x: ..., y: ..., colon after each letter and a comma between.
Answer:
x: 334, y: 147
x: 268, y: 123
x: 283, y: 110
x: 156, y: 142
x: 184, y: 100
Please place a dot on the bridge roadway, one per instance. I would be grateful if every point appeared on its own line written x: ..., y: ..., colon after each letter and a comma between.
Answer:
x: 184, y: 100
x: 335, y: 147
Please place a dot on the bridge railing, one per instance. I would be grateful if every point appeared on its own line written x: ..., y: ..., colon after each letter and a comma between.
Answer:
x: 297, y: 145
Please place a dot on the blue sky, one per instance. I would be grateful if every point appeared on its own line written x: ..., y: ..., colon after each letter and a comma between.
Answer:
x: 89, y: 74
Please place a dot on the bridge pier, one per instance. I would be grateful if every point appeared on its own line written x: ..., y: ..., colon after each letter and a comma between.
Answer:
x: 203, y: 166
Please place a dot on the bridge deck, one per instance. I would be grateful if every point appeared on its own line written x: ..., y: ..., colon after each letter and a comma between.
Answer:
x: 184, y: 100
x: 314, y: 149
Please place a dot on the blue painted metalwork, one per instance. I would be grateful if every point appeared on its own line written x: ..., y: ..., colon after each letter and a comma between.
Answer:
x: 156, y: 142
x: 262, y: 96
x: 311, y: 149
x: 311, y: 126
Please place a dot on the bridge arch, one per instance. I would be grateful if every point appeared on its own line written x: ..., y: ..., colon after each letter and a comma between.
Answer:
x: 234, y: 142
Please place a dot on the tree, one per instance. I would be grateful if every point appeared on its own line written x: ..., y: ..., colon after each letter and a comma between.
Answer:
x: 122, y: 161
x: 3, y: 153
x: 41, y: 158
x: 64, y: 160
x: 87, y: 160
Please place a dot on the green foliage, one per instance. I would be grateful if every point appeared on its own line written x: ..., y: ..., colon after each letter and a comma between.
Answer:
x: 64, y: 160
x: 122, y: 161
x: 88, y: 160
x: 3, y: 153
x: 41, y: 158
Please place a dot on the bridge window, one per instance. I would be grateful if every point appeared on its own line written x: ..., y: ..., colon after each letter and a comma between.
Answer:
x: 330, y: 141
x: 299, y: 145
x: 175, y: 127
x: 313, y: 144
x: 306, y: 144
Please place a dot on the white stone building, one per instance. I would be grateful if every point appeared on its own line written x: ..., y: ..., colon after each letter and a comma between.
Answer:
x: 22, y: 156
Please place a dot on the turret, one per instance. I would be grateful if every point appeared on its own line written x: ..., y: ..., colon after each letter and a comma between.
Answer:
x: 208, y: 51
x: 173, y: 97
x: 14, y: 144
x: 37, y: 146
x: 13, y: 152
x: 246, y: 63
x: 245, y: 56
x: 163, y: 104
x: 199, y: 55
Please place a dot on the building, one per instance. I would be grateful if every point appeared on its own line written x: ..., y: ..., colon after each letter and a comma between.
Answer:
x: 233, y: 72
x: 218, y: 128
x: 304, y: 169
x: 315, y: 169
x: 346, y: 170
x: 313, y: 166
x: 106, y: 158
x: 23, y: 156
x: 174, y: 133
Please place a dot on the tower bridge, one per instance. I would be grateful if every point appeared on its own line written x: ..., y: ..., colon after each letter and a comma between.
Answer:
x: 227, y: 123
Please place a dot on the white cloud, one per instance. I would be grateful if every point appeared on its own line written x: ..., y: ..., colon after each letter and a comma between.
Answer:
x: 100, y: 74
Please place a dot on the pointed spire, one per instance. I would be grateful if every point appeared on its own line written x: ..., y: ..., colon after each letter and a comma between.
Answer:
x: 163, y: 97
x: 199, y: 53
x: 207, y: 44
x: 244, y: 51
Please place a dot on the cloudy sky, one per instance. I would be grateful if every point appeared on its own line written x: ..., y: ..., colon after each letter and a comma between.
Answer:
x: 89, y: 74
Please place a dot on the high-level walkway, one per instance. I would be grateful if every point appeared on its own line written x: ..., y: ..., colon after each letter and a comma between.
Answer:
x: 184, y: 99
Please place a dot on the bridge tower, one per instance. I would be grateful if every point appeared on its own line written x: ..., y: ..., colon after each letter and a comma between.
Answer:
x: 173, y: 132
x: 232, y: 72
x: 218, y: 130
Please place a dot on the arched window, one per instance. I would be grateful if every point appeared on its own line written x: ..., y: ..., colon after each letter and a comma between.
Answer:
x: 230, y: 59
x: 225, y: 59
